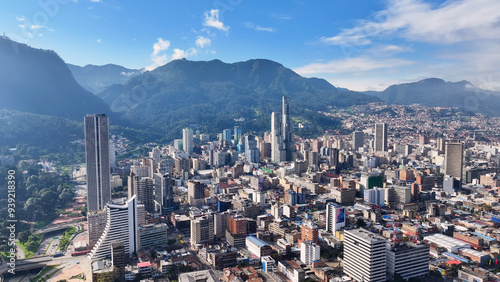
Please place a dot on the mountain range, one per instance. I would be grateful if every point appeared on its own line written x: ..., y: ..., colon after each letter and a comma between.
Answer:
x: 96, y: 78
x: 206, y: 95
x: 435, y: 92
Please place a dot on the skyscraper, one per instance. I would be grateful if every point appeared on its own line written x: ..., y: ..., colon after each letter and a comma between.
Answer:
x: 380, y: 142
x: 364, y: 255
x: 453, y: 159
x: 226, y: 136
x: 121, y: 226
x: 335, y: 217
x: 357, y: 140
x: 276, y: 139
x: 286, y: 130
x: 187, y: 140
x: 237, y: 135
x: 97, y: 159
x: 164, y: 194
x: 252, y: 153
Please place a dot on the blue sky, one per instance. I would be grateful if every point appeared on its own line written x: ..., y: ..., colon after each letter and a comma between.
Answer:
x: 360, y: 45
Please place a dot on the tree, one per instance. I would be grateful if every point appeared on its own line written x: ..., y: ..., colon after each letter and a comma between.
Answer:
x: 360, y: 223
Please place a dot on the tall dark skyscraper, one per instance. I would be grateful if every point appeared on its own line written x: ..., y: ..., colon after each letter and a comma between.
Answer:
x: 380, y: 142
x: 286, y: 130
x: 97, y: 159
x: 453, y: 159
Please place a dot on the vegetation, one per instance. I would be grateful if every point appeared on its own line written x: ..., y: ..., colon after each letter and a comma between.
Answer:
x: 30, y: 246
x: 63, y: 243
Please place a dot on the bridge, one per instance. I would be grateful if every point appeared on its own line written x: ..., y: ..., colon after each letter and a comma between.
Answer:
x: 58, y: 227
x: 28, y: 264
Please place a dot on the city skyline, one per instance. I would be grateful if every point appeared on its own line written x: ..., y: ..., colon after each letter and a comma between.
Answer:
x: 361, y: 46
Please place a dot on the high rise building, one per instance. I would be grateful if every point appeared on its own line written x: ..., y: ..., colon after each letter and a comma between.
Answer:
x: 309, y: 252
x: 357, y: 140
x: 164, y: 193
x: 375, y: 195
x: 202, y: 229
x: 453, y: 159
x: 97, y: 159
x: 252, y: 153
x: 380, y: 142
x: 364, y: 255
x: 286, y: 129
x: 408, y: 260
x: 335, y: 217
x: 121, y: 226
x: 143, y: 190
x: 226, y: 136
x: 237, y: 135
x: 237, y: 225
x: 277, y: 152
x: 96, y: 224
x: 309, y: 232
x: 187, y: 140
x: 196, y: 193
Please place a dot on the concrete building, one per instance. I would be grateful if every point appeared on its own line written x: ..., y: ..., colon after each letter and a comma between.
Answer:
x: 152, y: 235
x: 269, y: 264
x: 453, y: 160
x: 97, y: 160
x: 202, y: 229
x: 164, y: 193
x: 196, y: 193
x: 408, y: 260
x: 257, y: 247
x: 380, y: 141
x: 309, y: 252
x: 335, y: 217
x: 357, y: 140
x: 364, y: 255
x: 187, y: 140
x: 375, y: 195
x: 121, y: 226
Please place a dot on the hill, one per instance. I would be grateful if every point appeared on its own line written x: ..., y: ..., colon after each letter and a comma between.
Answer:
x: 213, y: 94
x: 38, y: 81
x: 96, y: 78
x: 435, y: 92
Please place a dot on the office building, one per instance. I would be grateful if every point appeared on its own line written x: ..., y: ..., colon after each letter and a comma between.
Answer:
x: 286, y: 129
x: 226, y: 136
x: 144, y: 192
x: 380, y: 141
x: 252, y: 153
x: 97, y: 160
x: 309, y: 252
x: 375, y: 195
x: 196, y: 193
x: 164, y: 193
x: 121, y: 226
x: 453, y: 159
x: 309, y: 232
x: 202, y: 229
x: 357, y: 140
x: 152, y: 236
x: 187, y: 140
x: 408, y: 260
x: 268, y: 264
x: 96, y: 224
x: 277, y: 152
x: 364, y: 255
x: 237, y: 225
x: 257, y: 247
x: 237, y: 135
x: 335, y: 217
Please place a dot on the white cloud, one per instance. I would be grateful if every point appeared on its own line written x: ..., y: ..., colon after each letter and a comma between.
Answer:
x: 202, y: 41
x: 22, y: 25
x: 99, y: 40
x: 181, y: 54
x: 161, y: 45
x: 95, y: 1
x: 360, y: 64
x: 130, y: 73
x: 157, y: 59
x: 212, y: 20
x: 20, y: 19
x: 251, y: 25
x: 416, y: 20
x: 35, y: 26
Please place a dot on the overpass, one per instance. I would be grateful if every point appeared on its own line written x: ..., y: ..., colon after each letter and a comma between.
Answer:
x: 31, y: 263
x: 57, y: 227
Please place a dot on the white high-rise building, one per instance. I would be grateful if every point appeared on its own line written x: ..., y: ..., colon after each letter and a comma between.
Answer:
x: 408, y: 260
x: 364, y: 255
x: 335, y: 217
x: 309, y: 252
x: 375, y: 195
x: 97, y: 159
x: 187, y: 140
x: 121, y: 226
